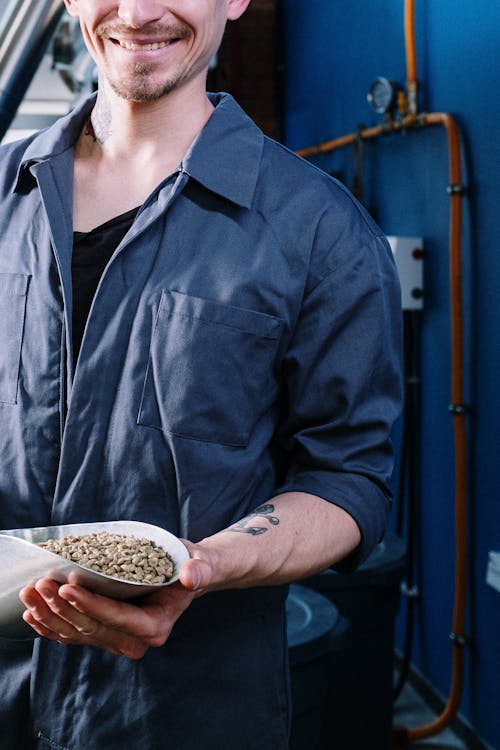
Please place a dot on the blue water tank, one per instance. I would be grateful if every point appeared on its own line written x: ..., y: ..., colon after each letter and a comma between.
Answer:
x: 360, y: 692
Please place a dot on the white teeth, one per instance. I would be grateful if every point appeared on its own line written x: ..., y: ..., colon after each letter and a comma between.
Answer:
x: 147, y: 47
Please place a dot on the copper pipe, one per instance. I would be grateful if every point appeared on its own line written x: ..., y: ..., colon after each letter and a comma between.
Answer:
x: 457, y: 407
x: 410, y: 46
x: 346, y: 140
x: 411, y: 56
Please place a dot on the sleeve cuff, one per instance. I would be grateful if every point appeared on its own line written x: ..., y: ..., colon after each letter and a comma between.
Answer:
x: 363, y: 499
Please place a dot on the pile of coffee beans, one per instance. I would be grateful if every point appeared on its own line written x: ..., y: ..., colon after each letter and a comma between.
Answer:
x: 118, y: 555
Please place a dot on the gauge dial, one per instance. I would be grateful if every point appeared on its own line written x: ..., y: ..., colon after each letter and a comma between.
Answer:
x: 382, y: 95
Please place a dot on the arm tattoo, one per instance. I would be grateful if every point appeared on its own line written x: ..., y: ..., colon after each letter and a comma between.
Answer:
x: 263, y: 511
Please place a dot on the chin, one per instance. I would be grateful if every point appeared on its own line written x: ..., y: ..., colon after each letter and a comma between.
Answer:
x: 143, y: 91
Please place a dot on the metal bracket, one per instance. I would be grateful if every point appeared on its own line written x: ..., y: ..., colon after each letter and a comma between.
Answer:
x: 411, y: 592
x: 456, y: 188
x: 458, y: 640
x: 459, y: 409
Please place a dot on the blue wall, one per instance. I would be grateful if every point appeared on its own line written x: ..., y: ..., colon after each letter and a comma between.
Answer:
x: 334, y: 49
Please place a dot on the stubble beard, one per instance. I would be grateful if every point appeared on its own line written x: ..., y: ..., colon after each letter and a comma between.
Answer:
x: 139, y: 87
x: 136, y: 84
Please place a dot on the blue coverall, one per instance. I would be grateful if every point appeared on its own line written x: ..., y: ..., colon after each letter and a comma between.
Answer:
x: 244, y: 340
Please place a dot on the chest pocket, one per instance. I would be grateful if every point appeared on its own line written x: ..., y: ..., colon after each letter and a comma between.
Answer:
x: 13, y: 292
x: 210, y: 369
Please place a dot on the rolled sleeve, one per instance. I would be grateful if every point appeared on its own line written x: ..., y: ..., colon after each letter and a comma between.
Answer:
x: 344, y: 389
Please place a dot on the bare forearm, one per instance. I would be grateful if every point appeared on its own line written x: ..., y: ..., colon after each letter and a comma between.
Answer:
x: 288, y: 538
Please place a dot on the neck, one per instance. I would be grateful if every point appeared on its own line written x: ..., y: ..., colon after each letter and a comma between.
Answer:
x: 118, y: 128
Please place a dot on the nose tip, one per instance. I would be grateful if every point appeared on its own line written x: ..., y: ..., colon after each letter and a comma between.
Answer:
x: 138, y: 13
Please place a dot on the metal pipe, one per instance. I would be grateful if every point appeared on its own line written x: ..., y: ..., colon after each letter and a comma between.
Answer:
x: 411, y: 56
x: 26, y: 28
x: 459, y: 413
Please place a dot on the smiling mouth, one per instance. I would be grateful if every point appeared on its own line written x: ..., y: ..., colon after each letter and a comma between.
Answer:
x: 150, y: 38
x: 143, y: 46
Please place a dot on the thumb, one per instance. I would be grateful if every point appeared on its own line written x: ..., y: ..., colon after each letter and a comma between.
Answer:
x: 195, y: 574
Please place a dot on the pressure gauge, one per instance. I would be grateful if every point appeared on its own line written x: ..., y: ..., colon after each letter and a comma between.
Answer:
x: 383, y: 95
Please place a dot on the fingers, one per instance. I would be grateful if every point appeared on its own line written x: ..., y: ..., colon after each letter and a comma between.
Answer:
x: 48, y: 622
x: 55, y: 617
x: 93, y: 608
x: 30, y: 617
x: 67, y: 617
x: 71, y: 614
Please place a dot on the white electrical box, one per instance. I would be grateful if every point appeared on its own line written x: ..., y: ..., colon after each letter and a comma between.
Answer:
x: 409, y: 256
x: 493, y: 570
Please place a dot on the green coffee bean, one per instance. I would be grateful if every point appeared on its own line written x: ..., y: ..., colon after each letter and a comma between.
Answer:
x: 116, y: 555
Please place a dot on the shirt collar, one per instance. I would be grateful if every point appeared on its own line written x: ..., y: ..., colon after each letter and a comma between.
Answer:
x: 53, y: 141
x: 225, y: 157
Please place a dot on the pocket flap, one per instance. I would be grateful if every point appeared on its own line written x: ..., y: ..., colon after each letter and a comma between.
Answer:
x: 239, y: 318
x: 14, y: 284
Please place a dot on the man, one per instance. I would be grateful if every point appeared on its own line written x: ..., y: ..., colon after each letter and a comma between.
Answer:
x: 204, y: 335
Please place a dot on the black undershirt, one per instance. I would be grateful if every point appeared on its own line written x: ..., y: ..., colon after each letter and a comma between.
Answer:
x: 91, y: 254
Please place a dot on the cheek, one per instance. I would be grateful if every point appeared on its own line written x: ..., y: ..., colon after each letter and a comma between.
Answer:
x: 210, y: 39
x: 93, y: 43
